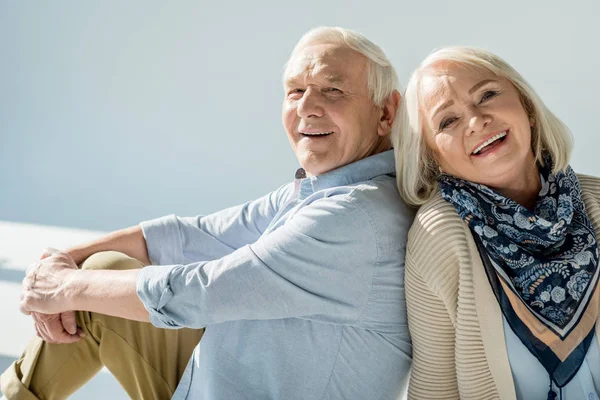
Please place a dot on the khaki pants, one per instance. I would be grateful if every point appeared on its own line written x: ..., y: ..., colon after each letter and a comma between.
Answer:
x: 147, y: 361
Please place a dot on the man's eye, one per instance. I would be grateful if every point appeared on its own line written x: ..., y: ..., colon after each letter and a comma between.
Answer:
x: 489, y: 94
x: 446, y: 122
x: 332, y: 90
x: 295, y: 92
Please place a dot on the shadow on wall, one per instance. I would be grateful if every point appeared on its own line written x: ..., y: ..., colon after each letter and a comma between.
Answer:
x: 10, y: 274
x: 103, y: 386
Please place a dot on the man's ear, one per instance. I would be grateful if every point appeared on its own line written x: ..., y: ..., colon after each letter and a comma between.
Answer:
x: 388, y: 113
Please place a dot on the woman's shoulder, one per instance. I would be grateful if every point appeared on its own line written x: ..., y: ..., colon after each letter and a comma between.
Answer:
x: 590, y: 194
x: 589, y: 185
x: 437, y: 240
x: 434, y: 218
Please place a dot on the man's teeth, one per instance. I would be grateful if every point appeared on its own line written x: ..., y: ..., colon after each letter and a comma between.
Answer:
x: 489, y: 141
x: 316, y: 133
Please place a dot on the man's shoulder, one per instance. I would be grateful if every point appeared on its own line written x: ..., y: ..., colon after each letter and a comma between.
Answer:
x: 380, y: 195
x: 379, y: 200
x: 279, y: 196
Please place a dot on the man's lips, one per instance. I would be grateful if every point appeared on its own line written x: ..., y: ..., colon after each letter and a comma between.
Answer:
x: 315, y: 133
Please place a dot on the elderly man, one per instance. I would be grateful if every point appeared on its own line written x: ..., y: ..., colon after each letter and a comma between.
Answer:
x: 300, y: 293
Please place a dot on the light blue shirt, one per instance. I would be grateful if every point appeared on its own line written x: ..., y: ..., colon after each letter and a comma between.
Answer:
x: 532, y: 381
x: 301, y: 291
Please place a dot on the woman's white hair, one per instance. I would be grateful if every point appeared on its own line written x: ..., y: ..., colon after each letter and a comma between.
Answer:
x: 382, y: 79
x: 417, y: 170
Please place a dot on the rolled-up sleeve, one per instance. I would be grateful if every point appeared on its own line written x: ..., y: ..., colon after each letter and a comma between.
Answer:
x: 177, y: 240
x: 319, y: 265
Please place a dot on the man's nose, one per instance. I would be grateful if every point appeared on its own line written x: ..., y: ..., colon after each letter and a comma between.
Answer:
x: 311, y: 104
x: 478, y: 121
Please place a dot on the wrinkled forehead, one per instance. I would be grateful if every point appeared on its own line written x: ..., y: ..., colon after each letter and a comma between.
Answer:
x: 433, y: 89
x: 329, y: 61
x: 443, y: 80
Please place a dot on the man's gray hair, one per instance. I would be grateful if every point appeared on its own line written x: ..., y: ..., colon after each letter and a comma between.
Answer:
x: 382, y: 79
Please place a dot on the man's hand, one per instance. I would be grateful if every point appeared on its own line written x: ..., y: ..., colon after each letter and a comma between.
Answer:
x: 52, y: 328
x: 57, y: 328
x: 43, y: 291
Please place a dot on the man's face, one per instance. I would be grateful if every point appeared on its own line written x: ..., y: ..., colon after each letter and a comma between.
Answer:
x: 327, y: 112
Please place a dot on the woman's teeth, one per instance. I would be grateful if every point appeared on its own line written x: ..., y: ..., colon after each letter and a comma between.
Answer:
x: 489, y: 141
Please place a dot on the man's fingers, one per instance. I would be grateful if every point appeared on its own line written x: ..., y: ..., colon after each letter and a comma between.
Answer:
x: 43, y: 333
x: 37, y: 331
x: 61, y: 256
x: 31, y: 267
x: 54, y: 328
x: 50, y: 328
x: 24, y: 308
x: 49, y: 251
x: 26, y: 305
x: 69, y: 322
x: 65, y: 338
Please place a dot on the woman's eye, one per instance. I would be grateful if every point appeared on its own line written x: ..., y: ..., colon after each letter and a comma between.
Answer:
x: 488, y: 95
x: 446, y: 122
x: 333, y: 90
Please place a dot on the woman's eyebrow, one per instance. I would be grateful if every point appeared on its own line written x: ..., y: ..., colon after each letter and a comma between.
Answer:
x: 441, y: 108
x: 480, y: 84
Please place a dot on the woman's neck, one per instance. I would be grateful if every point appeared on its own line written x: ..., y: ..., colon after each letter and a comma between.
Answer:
x: 525, y: 189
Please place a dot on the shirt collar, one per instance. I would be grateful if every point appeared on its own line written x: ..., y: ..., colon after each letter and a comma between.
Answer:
x: 358, y: 171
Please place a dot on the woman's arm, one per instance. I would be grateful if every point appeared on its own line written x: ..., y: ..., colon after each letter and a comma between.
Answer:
x: 433, y: 373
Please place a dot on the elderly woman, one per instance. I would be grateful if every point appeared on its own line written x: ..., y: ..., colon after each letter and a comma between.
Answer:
x: 502, y: 260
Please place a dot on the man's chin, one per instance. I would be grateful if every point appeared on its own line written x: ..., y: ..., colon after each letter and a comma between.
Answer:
x: 317, y: 168
x: 320, y: 167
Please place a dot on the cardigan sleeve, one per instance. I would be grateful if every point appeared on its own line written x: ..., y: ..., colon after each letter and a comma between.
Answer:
x: 433, y: 373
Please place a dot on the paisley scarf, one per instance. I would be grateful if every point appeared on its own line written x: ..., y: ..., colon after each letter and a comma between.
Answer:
x: 542, y: 265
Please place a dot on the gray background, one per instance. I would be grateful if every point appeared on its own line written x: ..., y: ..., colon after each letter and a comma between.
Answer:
x: 114, y: 112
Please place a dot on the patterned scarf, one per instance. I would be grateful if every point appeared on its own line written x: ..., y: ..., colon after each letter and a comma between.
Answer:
x: 542, y: 265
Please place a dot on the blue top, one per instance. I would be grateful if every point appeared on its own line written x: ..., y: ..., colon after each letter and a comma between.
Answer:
x: 301, y: 291
x: 532, y: 381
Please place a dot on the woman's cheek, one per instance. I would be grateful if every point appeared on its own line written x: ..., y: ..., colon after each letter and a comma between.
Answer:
x: 446, y: 146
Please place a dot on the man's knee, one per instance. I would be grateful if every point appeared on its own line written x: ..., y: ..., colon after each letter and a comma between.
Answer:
x: 111, y: 260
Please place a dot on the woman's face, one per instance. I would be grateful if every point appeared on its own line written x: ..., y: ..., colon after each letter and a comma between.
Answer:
x: 475, y: 124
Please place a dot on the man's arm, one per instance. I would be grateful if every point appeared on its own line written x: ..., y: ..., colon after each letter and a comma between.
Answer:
x: 129, y: 241
x: 319, y: 265
x: 176, y: 240
x: 54, y: 285
x: 171, y: 240
x: 198, y: 238
x: 62, y: 328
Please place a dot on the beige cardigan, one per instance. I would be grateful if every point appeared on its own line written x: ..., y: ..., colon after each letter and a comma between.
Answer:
x: 455, y: 322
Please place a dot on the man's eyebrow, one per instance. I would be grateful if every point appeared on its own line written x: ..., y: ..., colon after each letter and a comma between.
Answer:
x: 480, y: 84
x: 290, y: 81
x: 331, y: 78
x: 335, y: 78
